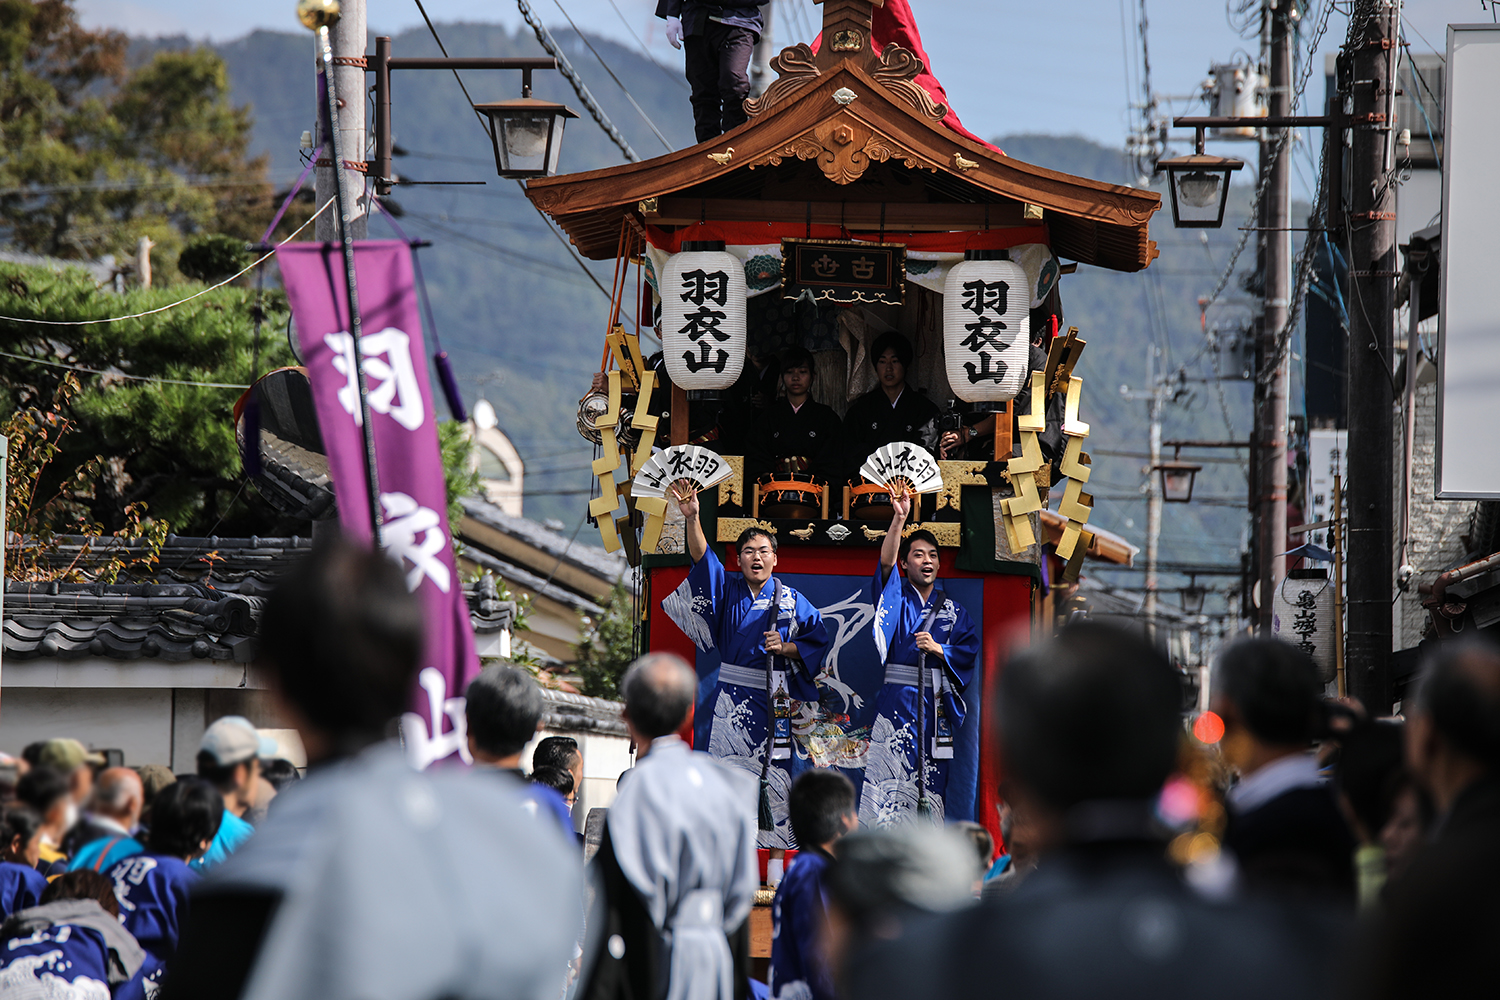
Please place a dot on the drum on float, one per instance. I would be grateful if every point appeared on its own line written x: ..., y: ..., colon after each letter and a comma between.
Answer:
x: 791, y: 495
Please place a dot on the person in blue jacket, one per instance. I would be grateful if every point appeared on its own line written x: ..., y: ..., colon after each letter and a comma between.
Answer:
x: 21, y: 885
x: 70, y: 946
x: 823, y: 812
x: 771, y: 642
x: 930, y: 647
x: 503, y: 712
x: 152, y: 888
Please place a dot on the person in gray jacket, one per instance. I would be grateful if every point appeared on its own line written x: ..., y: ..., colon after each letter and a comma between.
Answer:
x: 372, y: 879
x: 676, y: 871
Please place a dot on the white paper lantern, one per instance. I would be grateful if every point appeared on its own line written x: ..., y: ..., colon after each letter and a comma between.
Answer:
x: 1302, y: 614
x: 703, y: 316
x: 986, y: 327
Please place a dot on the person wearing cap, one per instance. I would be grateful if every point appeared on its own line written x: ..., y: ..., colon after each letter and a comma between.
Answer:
x: 73, y: 761
x: 229, y: 759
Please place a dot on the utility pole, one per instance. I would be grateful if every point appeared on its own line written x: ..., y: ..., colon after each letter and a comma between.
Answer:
x: 1372, y: 53
x: 1153, y: 501
x: 348, y: 38
x: 1273, y: 371
x: 1159, y: 390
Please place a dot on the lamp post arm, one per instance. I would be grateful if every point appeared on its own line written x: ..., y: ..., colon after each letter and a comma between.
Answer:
x: 382, y: 63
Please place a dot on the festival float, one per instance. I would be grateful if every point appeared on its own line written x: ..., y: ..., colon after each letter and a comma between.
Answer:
x: 852, y: 202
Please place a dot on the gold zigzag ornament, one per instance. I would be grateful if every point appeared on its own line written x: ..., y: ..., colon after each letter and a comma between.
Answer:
x: 1021, y: 470
x: 609, y: 514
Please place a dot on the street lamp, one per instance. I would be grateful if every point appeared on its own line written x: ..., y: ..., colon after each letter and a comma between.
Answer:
x: 1192, y: 597
x: 527, y: 133
x: 1200, y: 183
x: 1199, y: 186
x: 1177, y: 480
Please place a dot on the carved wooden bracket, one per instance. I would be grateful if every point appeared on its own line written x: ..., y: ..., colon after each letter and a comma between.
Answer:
x: 797, y: 67
x: 844, y: 149
x: 896, y: 71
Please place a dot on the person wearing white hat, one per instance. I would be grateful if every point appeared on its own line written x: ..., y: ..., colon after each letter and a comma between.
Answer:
x: 229, y: 759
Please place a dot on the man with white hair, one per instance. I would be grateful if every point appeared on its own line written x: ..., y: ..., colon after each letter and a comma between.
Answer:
x: 676, y: 871
x: 106, y: 833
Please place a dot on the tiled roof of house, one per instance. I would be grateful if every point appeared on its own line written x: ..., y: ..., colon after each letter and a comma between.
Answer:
x: 592, y: 558
x: 173, y: 622
x: 201, y: 600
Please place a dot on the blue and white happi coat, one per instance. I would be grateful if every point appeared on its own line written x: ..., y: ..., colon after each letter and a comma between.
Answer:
x: 719, y: 613
x: 889, y: 793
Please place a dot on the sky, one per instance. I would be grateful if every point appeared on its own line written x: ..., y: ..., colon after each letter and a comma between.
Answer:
x: 1068, y: 68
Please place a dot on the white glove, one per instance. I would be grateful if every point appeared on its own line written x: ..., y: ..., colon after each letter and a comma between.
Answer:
x: 674, y: 32
x: 774, y: 872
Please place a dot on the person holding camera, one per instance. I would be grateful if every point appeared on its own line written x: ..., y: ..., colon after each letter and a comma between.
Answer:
x: 1285, y: 824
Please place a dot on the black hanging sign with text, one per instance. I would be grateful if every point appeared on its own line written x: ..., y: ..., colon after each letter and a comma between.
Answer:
x: 843, y: 271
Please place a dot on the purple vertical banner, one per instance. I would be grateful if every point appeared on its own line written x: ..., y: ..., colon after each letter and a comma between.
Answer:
x: 413, y: 498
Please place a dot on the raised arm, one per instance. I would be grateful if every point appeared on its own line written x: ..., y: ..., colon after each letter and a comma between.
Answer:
x: 890, y: 547
x: 684, y: 491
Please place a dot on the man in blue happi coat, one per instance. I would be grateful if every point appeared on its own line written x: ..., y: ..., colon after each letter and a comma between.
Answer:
x: 916, y: 626
x: 769, y: 659
x: 823, y: 812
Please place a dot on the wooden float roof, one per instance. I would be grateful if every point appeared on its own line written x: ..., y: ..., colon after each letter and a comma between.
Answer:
x: 845, y: 137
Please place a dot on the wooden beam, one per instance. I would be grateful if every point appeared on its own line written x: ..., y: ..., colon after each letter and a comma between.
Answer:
x: 1004, y: 424
x: 864, y: 216
x: 679, y: 415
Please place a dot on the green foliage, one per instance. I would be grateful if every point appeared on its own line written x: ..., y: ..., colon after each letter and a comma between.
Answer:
x: 97, y: 157
x: 33, y: 518
x: 460, y: 474
x: 607, y: 646
x: 212, y: 257
x: 168, y: 445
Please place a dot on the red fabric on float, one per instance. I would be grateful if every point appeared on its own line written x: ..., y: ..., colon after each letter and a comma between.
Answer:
x: 895, y: 22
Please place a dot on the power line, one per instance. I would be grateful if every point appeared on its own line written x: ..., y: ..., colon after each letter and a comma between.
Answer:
x: 628, y: 95
x: 173, y: 305
x: 562, y: 63
x: 503, y: 251
x: 571, y: 75
x: 674, y: 76
x: 118, y: 374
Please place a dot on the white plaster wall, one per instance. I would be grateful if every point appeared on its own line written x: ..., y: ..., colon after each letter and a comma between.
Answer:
x: 137, y: 721
x: 605, y: 758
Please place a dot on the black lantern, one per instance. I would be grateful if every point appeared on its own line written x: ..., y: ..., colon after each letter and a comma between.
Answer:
x: 1199, y: 186
x: 1192, y: 597
x: 527, y: 133
x: 1177, y: 480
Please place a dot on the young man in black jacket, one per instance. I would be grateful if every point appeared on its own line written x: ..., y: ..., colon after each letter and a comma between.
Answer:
x: 796, y: 433
x: 719, y: 39
x: 892, y: 411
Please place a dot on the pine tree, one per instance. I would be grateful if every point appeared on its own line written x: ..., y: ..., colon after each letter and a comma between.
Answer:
x: 93, y: 157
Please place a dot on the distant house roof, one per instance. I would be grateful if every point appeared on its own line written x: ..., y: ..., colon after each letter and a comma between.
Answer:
x: 570, y: 568
x: 174, y: 622
x: 201, y: 600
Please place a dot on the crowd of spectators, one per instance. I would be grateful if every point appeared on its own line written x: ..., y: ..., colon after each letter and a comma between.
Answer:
x: 1312, y: 851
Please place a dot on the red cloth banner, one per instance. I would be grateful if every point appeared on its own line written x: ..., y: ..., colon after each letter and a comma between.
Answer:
x: 413, y: 497
x: 895, y: 22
